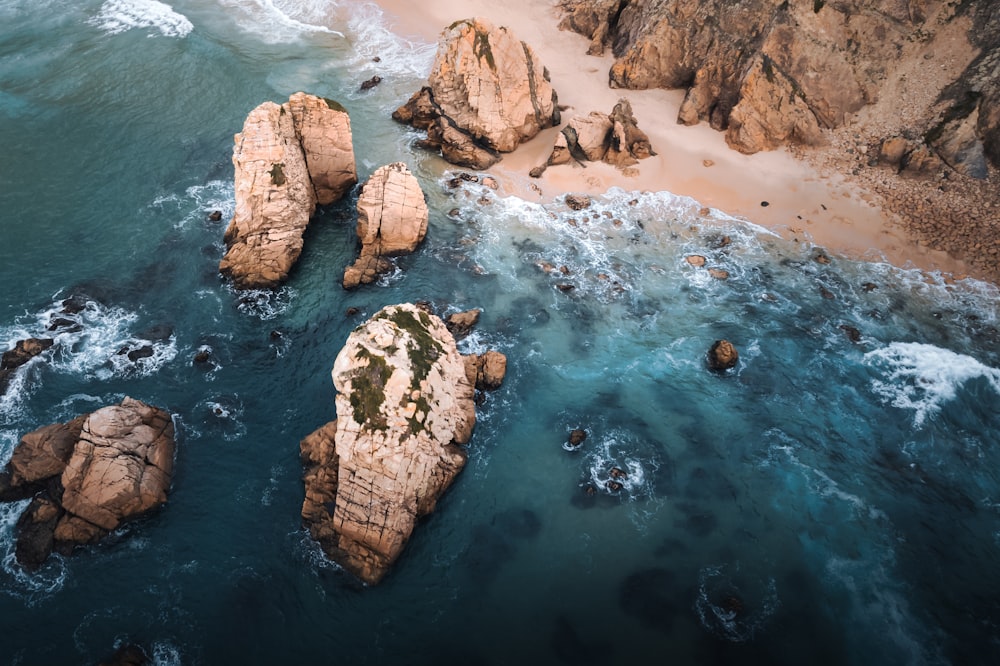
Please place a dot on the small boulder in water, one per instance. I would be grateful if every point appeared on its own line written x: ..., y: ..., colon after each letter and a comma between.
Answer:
x: 577, y: 437
x: 371, y: 83
x: 577, y: 201
x: 722, y: 356
x: 695, y: 260
x: 215, y: 216
x: 460, y: 323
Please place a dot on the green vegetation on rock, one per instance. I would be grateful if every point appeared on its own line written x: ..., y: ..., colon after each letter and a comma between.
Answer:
x: 335, y: 105
x: 368, y: 390
x: 278, y: 173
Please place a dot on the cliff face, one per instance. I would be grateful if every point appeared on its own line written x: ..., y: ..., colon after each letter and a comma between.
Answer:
x: 769, y: 72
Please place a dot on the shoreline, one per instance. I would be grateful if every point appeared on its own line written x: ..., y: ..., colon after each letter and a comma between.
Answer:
x: 803, y: 202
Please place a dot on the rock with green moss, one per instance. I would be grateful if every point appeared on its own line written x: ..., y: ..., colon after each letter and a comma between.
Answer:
x: 404, y: 408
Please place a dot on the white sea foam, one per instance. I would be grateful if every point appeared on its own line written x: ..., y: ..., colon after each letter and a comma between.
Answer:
x: 923, y: 377
x: 371, y: 38
x: 264, y: 304
x: 199, y: 201
x: 31, y: 587
x: 116, y: 16
x: 281, y: 21
x: 166, y: 654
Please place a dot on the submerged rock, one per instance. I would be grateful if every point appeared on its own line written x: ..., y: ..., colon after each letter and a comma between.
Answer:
x: 88, y: 476
x: 287, y: 159
x: 487, y: 93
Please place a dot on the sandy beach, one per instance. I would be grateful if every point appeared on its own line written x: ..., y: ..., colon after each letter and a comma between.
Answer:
x: 802, y: 202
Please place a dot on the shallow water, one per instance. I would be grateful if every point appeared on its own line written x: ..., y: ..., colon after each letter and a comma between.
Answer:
x: 826, y: 501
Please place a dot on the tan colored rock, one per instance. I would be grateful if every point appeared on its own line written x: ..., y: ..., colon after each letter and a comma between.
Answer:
x: 122, y: 465
x: 461, y: 323
x: 592, y: 134
x: 392, y: 220
x: 88, y: 475
x: 722, y: 356
x: 275, y: 192
x: 44, y: 453
x: 323, y: 128
x: 491, y: 84
x: 274, y: 201
x: 493, y: 370
x: 487, y: 93
x: 404, y: 405
x: 892, y: 150
x: 627, y: 143
x: 771, y: 112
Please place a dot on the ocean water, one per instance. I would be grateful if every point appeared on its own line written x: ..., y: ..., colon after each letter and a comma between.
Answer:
x: 827, y: 501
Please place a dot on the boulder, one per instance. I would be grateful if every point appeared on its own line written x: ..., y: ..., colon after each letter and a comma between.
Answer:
x: 486, y: 371
x: 627, y: 144
x: 404, y: 407
x: 722, y: 356
x: 122, y: 465
x: 614, y: 138
x: 487, y: 93
x: 88, y: 476
x: 287, y: 159
x: 592, y: 133
x: 460, y: 323
x: 392, y: 220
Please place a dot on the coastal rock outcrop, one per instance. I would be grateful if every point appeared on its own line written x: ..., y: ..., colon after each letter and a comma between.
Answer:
x: 404, y: 407
x: 23, y: 351
x: 614, y: 138
x: 392, y: 220
x: 769, y: 72
x: 287, y: 159
x: 487, y: 93
x: 87, y: 476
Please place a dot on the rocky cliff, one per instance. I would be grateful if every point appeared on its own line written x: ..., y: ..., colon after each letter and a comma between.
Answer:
x: 287, y: 159
x: 770, y: 72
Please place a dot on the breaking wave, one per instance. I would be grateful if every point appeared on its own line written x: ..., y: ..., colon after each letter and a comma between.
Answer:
x: 117, y: 16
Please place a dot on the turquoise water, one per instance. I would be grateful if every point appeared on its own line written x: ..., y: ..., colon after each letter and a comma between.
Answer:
x: 845, y: 493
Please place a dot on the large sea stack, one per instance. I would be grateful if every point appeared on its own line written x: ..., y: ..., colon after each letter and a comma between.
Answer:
x: 404, y: 408
x: 392, y: 220
x: 486, y: 94
x: 287, y: 159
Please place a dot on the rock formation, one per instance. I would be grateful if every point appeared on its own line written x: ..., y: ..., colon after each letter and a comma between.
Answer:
x: 87, y: 476
x: 287, y: 159
x: 23, y: 351
x: 392, y: 220
x: 769, y: 72
x: 404, y: 407
x: 486, y: 94
x: 614, y: 138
